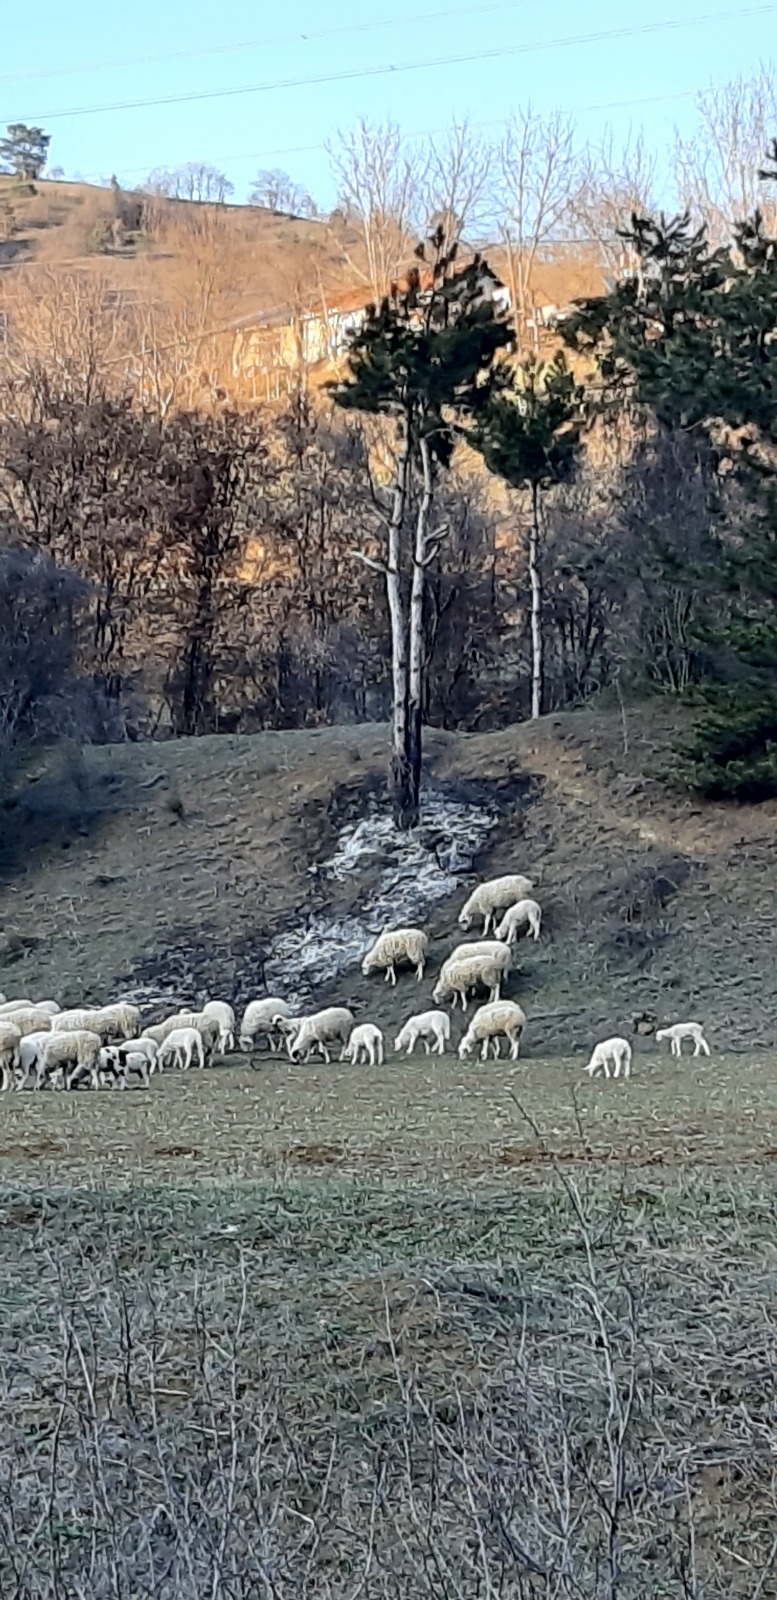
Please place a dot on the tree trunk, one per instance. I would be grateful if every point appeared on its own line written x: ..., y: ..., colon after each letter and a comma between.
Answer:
x: 401, y: 777
x: 417, y: 652
x: 535, y: 580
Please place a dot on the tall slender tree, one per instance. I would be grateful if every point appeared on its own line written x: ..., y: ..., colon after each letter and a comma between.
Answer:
x: 425, y: 358
x: 529, y: 434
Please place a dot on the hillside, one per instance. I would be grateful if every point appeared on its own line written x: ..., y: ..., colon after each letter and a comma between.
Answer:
x: 195, y: 868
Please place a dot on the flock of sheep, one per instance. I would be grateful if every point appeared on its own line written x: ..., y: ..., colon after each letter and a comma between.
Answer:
x: 46, y: 1047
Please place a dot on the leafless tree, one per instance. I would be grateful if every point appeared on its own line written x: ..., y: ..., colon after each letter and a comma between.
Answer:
x: 540, y: 179
x: 276, y: 191
x: 717, y: 166
x: 458, y: 183
x: 380, y: 177
x: 194, y: 180
x: 613, y: 184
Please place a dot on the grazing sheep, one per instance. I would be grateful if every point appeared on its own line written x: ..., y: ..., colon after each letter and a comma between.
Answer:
x: 10, y: 1041
x: 524, y: 914
x: 369, y: 1039
x: 180, y: 1047
x: 487, y: 1024
x: 31, y: 1019
x: 136, y: 1047
x: 494, y: 895
x: 29, y: 1053
x: 401, y: 944
x: 684, y: 1030
x: 225, y: 1017
x: 615, y: 1053
x: 425, y: 1025
x: 15, y: 1005
x: 458, y: 977
x: 317, y: 1031
x: 118, y: 1062
x: 70, y: 1049
x: 207, y: 1027
x: 120, y: 1020
x: 260, y: 1016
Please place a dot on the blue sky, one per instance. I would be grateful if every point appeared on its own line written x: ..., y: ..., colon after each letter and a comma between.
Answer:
x: 651, y: 76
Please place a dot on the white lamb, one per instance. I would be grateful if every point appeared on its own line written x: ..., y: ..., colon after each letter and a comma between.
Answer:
x: 496, y: 894
x: 318, y: 1031
x: 488, y: 1023
x: 615, y: 1053
x: 425, y: 1025
x: 70, y: 1050
x: 524, y: 914
x: 180, y: 1048
x: 684, y: 1030
x: 261, y: 1017
x: 457, y: 979
x: 116, y: 1021
x: 207, y: 1027
x: 10, y: 1041
x: 401, y: 944
x: 225, y: 1017
x: 365, y: 1039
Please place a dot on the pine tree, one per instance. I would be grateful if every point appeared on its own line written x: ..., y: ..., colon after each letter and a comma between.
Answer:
x: 425, y: 357
x: 24, y: 150
x: 529, y: 434
x: 693, y: 338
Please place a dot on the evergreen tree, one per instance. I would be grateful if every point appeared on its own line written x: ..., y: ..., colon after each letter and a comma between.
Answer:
x: 425, y: 358
x: 529, y: 434
x: 24, y: 150
x: 693, y: 337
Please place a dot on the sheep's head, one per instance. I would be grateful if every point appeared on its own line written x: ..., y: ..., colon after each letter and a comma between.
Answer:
x: 465, y: 918
x: 440, y: 992
x: 369, y: 963
x: 465, y: 1046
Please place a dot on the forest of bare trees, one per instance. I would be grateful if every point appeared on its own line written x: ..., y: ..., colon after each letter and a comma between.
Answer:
x: 196, y: 559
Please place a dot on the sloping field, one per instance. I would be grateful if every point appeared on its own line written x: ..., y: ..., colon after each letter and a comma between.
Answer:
x: 434, y: 1330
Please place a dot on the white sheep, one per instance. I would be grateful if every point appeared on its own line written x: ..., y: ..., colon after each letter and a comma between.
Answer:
x: 225, y: 1017
x: 260, y: 1016
x: 9, y: 1006
x: 615, y: 1053
x: 70, y: 1050
x: 524, y: 914
x: 365, y: 1038
x: 494, y: 895
x: 684, y: 1030
x: 317, y: 1031
x: 425, y: 1025
x: 207, y: 1027
x: 120, y: 1020
x: 458, y: 977
x: 29, y: 1053
x: 488, y: 1023
x: 30, y: 1019
x: 399, y: 944
x: 10, y: 1041
x: 180, y: 1047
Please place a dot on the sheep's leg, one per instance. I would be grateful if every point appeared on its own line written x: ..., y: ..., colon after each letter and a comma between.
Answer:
x: 704, y: 1045
x: 484, y: 1050
x: 419, y: 972
x: 515, y: 1045
x: 425, y: 1043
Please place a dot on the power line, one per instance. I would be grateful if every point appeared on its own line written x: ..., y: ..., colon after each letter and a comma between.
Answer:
x: 309, y: 37
x: 356, y: 74
x: 421, y: 133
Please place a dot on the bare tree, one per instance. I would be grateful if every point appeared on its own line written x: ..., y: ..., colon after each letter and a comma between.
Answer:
x: 717, y: 167
x: 613, y: 185
x: 458, y: 182
x: 380, y: 178
x: 276, y: 191
x: 540, y: 178
x: 194, y: 180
